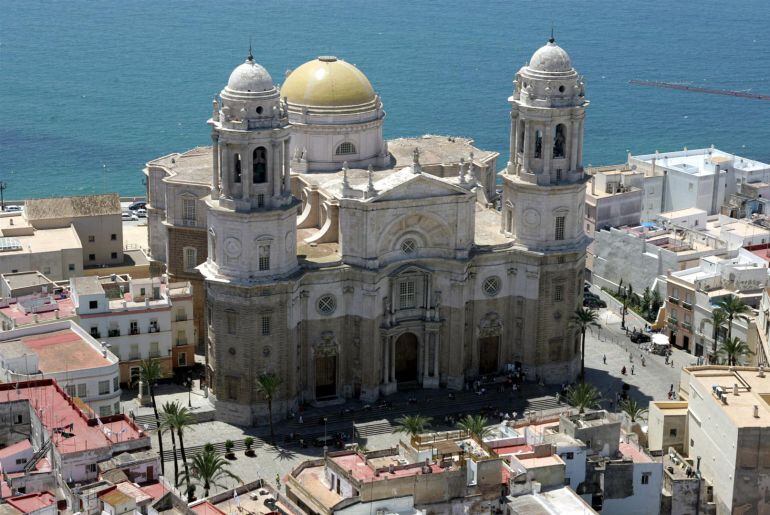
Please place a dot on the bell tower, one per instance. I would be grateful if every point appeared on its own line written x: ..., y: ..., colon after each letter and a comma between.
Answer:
x: 252, y: 235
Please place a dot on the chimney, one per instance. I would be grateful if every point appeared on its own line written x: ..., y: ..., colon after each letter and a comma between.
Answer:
x: 735, y: 389
x: 391, y: 468
x: 756, y: 411
x: 761, y: 371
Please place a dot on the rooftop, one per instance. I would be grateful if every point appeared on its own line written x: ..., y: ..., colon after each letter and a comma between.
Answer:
x: 58, y: 350
x: 32, y: 502
x: 681, y: 213
x: 56, y: 410
x: 191, y: 167
x: 72, y: 207
x: 753, y: 390
x: 437, y: 150
x: 550, y: 502
x: 26, y: 279
x: 38, y: 309
x: 634, y: 453
x: 89, y: 285
x: 32, y: 241
x: 700, y: 161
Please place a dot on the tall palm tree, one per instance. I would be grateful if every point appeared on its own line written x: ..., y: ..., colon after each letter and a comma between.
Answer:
x: 583, y: 319
x: 734, y: 349
x: 733, y: 308
x: 718, y: 319
x: 207, y: 469
x: 633, y: 409
x: 583, y: 396
x: 474, y: 425
x: 412, y: 425
x: 179, y: 421
x: 268, y: 384
x: 169, y: 410
x: 149, y: 372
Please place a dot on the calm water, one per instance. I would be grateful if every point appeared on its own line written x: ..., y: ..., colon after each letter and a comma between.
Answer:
x: 92, y: 90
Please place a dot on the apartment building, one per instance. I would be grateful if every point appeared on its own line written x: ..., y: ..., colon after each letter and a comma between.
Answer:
x: 62, y: 350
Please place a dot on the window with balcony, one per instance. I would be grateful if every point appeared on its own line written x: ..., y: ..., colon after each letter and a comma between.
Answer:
x: 558, y: 293
x: 133, y: 327
x: 104, y: 387
x: 153, y: 328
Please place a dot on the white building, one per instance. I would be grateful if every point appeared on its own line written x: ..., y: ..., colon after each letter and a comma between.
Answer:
x: 62, y: 350
x: 137, y: 320
x: 701, y: 178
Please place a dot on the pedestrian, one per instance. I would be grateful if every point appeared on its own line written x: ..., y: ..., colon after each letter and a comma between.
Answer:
x: 672, y: 363
x: 277, y: 481
x: 632, y: 370
x: 300, y: 419
x: 604, y: 359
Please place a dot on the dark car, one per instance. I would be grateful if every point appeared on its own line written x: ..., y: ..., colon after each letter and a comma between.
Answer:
x: 594, y: 303
x: 640, y: 337
x: 139, y: 204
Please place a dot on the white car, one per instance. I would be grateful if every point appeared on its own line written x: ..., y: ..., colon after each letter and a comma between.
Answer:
x: 141, y: 213
x: 129, y: 216
x: 13, y: 208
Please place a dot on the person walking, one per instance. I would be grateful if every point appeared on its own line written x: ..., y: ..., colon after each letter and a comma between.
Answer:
x: 632, y: 370
x: 604, y: 359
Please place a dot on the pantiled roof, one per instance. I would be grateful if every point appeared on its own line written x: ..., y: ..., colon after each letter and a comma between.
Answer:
x: 72, y: 207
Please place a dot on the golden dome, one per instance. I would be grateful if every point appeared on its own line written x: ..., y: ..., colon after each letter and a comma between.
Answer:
x: 327, y: 82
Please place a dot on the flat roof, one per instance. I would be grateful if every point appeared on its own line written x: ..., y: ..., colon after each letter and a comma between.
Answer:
x: 42, y: 240
x: 26, y: 279
x: 88, y: 285
x: 696, y: 161
x: 634, y: 453
x: 437, y: 150
x: 690, y: 211
x: 13, y: 449
x: 739, y: 408
x: 62, y: 350
x: 191, y: 167
x: 58, y: 411
x: 56, y: 308
x: 550, y: 502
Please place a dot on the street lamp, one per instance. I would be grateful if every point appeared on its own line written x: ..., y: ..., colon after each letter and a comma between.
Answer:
x: 623, y: 311
x: 3, y: 186
x: 326, y: 445
x: 189, y: 389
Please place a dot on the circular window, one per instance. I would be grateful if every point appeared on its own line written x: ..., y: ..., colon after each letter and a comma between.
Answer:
x: 561, y: 89
x: 408, y: 246
x: 491, y: 286
x: 259, y: 109
x: 327, y: 304
x: 231, y: 350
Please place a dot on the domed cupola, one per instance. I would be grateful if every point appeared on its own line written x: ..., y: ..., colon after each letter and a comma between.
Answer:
x: 550, y: 58
x: 336, y: 117
x: 250, y: 77
x: 548, y: 79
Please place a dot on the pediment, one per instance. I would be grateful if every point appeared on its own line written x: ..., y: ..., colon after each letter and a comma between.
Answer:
x: 415, y: 186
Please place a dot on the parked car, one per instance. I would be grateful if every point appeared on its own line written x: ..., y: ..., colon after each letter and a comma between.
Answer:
x: 594, y: 303
x: 129, y: 216
x: 139, y: 204
x: 141, y: 213
x: 640, y: 337
x: 13, y: 208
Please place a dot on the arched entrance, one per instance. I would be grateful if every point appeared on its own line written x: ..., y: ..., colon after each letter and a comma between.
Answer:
x: 407, y: 352
x: 489, y: 349
x: 325, y: 376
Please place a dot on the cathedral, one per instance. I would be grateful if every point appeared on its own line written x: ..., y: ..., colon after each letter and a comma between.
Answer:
x: 352, y: 266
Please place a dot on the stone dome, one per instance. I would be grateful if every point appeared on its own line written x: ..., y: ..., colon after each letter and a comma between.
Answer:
x: 327, y: 82
x: 250, y: 76
x: 550, y: 58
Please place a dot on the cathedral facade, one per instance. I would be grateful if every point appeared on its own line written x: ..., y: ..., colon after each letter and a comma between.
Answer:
x: 351, y: 266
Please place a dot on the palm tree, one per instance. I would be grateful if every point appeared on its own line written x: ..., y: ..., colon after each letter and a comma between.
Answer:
x: 412, y: 425
x: 267, y: 385
x: 149, y: 372
x: 633, y: 409
x: 169, y: 410
x: 718, y: 319
x: 474, y: 425
x: 733, y: 349
x: 583, y: 396
x: 583, y: 319
x: 207, y: 468
x: 180, y: 420
x: 733, y: 308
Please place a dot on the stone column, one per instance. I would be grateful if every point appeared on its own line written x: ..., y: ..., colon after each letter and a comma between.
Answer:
x: 580, y: 144
x: 547, y: 148
x: 525, y: 152
x: 573, y: 145
x: 214, y: 166
x: 514, y: 139
x: 227, y: 165
x: 435, y: 356
x: 386, y: 360
x: 286, y: 169
x: 247, y: 174
x: 392, y: 359
x: 275, y: 175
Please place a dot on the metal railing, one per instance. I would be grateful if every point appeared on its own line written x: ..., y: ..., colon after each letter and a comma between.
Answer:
x: 673, y: 300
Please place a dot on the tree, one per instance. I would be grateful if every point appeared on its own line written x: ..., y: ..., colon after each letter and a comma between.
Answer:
x: 149, y: 372
x: 169, y: 410
x: 620, y: 287
x: 733, y: 349
x: 646, y: 299
x: 631, y: 295
x: 412, y: 425
x: 583, y: 396
x: 474, y: 425
x: 655, y: 303
x: 268, y: 384
x: 208, y: 469
x: 249, y: 442
x: 718, y: 319
x: 583, y: 319
x: 633, y: 409
x: 179, y: 421
x: 733, y: 308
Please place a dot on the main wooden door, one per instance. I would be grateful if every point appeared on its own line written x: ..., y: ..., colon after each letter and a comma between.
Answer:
x: 489, y: 348
x: 325, y: 376
x: 407, y: 352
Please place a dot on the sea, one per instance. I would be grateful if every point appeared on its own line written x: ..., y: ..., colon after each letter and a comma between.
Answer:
x: 92, y: 90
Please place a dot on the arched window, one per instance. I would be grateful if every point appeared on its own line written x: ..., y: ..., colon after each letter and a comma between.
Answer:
x: 558, y: 228
x: 559, y: 141
x: 259, y: 165
x: 236, y: 168
x: 538, y: 144
x: 344, y: 149
x: 521, y: 136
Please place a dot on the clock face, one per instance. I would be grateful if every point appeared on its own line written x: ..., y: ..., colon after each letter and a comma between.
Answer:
x: 532, y: 217
x: 266, y: 351
x: 233, y: 247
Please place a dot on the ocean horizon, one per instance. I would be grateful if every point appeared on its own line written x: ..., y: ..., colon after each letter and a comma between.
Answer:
x: 94, y: 90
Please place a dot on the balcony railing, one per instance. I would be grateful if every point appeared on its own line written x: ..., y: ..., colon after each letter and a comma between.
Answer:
x: 673, y: 300
x: 687, y: 326
x: 687, y: 305
x: 112, y: 333
x: 134, y: 356
x: 153, y: 329
x: 673, y: 321
x: 134, y: 331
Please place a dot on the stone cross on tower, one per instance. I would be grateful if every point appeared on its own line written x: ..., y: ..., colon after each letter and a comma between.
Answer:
x: 370, y: 191
x: 461, y: 174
